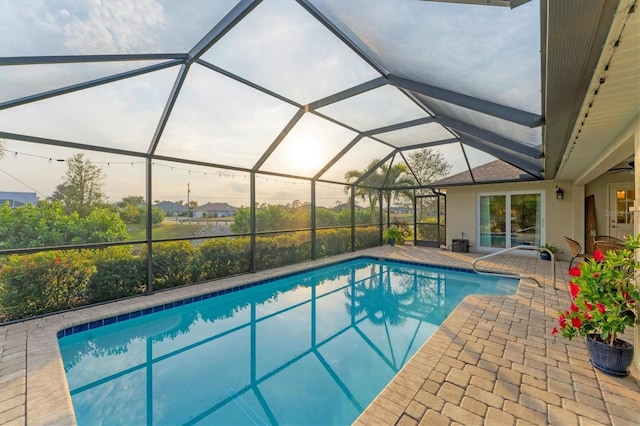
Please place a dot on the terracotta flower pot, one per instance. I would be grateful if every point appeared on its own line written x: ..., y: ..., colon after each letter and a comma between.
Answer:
x: 614, y: 360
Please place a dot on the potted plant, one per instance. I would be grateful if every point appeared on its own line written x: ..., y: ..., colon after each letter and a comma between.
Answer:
x: 393, y: 235
x: 544, y: 255
x: 604, y: 301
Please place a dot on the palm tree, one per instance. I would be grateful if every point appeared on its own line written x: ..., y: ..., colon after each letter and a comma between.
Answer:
x: 373, y: 180
x: 396, y: 177
x: 383, y: 176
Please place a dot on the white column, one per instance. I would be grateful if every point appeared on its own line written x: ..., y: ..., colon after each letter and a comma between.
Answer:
x: 636, y: 231
x: 578, y: 210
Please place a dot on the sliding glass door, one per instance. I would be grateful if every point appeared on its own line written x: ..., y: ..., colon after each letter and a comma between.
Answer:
x: 510, y: 219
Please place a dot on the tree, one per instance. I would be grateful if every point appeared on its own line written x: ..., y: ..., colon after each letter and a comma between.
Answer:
x: 48, y: 225
x: 372, y: 181
x: 269, y: 217
x: 241, y: 221
x: 132, y: 200
x: 396, y: 177
x: 136, y: 215
x: 81, y: 190
x: 325, y: 218
x: 157, y: 216
x: 131, y: 214
x: 428, y: 165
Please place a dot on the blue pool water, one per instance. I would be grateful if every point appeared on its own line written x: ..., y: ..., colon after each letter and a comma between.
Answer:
x: 314, y: 348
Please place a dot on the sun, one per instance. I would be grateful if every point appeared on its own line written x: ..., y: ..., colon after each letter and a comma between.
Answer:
x: 307, y: 156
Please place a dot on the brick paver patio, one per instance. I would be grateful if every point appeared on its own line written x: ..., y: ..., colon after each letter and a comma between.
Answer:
x: 493, y: 361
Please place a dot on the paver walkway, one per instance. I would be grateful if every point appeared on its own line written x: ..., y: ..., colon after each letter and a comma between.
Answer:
x: 493, y: 361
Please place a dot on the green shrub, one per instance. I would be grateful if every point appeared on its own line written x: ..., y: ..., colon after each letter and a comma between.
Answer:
x: 48, y: 225
x: 367, y: 236
x: 130, y: 214
x: 221, y: 257
x: 46, y: 282
x: 330, y: 242
x: 405, y: 230
x: 117, y: 277
x: 173, y: 264
x: 283, y: 249
x: 39, y: 283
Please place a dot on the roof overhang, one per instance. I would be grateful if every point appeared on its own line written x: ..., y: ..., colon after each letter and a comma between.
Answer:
x: 590, y: 85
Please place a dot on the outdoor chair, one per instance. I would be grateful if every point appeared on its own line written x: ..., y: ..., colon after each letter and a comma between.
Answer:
x: 606, y: 238
x: 575, y: 249
x: 605, y: 246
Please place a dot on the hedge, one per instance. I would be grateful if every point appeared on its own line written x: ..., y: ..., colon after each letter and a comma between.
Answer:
x: 45, y: 282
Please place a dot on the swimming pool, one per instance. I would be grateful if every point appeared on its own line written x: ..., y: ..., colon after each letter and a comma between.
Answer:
x: 310, y: 348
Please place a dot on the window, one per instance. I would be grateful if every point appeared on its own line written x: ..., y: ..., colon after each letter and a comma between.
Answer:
x: 625, y: 199
x: 510, y: 219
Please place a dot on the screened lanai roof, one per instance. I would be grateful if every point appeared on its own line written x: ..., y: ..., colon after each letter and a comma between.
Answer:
x: 303, y: 88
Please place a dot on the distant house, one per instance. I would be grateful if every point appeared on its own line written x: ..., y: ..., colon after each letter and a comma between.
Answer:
x: 214, y: 210
x: 171, y: 209
x: 17, y: 199
x: 401, y: 210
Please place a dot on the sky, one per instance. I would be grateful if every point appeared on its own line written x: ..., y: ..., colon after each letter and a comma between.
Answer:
x: 489, y: 52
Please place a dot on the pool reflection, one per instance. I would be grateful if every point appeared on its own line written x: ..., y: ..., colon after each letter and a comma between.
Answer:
x: 307, y: 350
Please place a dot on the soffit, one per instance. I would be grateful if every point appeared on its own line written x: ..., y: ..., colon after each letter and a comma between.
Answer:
x: 584, y: 117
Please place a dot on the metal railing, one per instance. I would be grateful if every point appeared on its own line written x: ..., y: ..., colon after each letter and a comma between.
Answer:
x: 521, y: 276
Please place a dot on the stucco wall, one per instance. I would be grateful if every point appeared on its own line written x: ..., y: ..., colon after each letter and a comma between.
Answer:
x: 599, y: 188
x: 462, y: 209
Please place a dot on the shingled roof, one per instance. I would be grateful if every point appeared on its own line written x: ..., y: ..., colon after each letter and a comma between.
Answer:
x: 495, y: 171
x: 214, y: 207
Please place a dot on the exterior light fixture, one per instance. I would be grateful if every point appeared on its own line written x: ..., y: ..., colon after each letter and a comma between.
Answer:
x: 559, y: 193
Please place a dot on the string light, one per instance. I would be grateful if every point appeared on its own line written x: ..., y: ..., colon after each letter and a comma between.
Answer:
x: 601, y: 80
x: 62, y: 160
x: 220, y: 174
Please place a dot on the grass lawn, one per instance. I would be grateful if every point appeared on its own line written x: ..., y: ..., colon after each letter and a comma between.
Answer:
x: 166, y: 229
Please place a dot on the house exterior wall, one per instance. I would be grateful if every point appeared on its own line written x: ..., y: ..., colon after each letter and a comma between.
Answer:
x: 462, y: 211
x: 213, y: 213
x: 599, y: 188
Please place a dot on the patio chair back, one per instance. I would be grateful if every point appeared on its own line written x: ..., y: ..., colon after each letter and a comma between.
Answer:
x: 605, y: 246
x: 574, y: 248
x: 606, y: 238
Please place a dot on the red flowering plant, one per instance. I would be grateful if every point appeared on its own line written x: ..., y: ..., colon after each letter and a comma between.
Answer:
x: 604, y: 295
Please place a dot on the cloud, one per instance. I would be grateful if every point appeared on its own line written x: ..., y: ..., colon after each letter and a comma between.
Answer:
x: 484, y: 51
x: 106, y: 27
